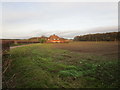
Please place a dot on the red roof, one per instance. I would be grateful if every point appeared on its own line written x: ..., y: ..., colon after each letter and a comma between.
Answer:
x: 53, y: 37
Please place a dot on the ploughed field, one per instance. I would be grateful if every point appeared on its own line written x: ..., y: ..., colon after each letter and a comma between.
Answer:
x: 63, y: 65
x: 109, y: 49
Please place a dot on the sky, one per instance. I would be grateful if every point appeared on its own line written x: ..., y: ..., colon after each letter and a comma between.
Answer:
x: 22, y: 20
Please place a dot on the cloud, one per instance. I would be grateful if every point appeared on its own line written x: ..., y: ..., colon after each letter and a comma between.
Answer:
x: 72, y: 33
x: 65, y: 34
x: 24, y: 20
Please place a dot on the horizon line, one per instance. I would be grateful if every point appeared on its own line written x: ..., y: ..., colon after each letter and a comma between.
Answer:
x: 65, y: 38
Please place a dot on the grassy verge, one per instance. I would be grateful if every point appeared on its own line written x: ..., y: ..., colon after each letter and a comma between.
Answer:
x: 18, y: 44
x: 42, y: 66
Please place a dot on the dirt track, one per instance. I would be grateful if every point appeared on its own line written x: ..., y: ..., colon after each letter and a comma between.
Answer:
x: 19, y: 46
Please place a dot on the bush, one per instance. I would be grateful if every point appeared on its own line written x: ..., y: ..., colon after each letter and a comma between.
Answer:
x: 42, y: 40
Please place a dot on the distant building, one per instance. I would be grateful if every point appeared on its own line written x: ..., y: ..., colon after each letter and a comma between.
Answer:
x: 55, y: 39
x: 52, y: 39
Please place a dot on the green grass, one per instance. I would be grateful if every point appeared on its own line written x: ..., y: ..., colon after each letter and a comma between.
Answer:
x: 18, y: 44
x: 42, y: 66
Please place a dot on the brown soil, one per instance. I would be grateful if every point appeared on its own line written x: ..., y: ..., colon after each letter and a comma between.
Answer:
x: 102, y: 48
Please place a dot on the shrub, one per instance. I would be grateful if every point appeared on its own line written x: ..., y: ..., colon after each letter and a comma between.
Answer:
x: 42, y: 40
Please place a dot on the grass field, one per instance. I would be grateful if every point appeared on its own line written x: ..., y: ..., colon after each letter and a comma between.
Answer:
x: 66, y: 65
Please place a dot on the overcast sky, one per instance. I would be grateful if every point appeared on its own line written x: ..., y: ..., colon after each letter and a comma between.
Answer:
x: 65, y: 19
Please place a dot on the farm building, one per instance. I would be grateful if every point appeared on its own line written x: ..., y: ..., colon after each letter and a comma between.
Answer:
x: 52, y: 39
x: 55, y: 39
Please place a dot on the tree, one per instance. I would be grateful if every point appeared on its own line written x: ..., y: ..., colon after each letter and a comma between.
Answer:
x: 113, y: 36
x: 42, y: 40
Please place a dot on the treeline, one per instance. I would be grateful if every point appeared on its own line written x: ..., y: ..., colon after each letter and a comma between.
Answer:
x: 113, y: 36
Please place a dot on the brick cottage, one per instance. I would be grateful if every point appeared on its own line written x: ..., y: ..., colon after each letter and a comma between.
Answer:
x: 55, y: 39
